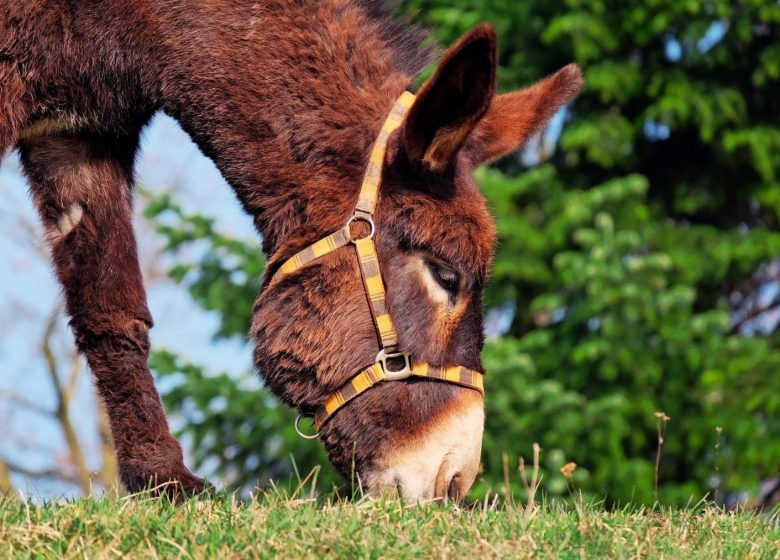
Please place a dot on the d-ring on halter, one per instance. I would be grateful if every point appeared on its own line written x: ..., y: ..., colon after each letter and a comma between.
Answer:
x: 380, y: 370
x: 298, y: 427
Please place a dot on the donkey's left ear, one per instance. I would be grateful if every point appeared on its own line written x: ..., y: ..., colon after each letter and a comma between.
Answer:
x: 452, y: 101
x: 514, y: 117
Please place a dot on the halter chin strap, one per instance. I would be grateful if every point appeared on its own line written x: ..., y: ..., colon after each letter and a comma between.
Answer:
x: 380, y: 370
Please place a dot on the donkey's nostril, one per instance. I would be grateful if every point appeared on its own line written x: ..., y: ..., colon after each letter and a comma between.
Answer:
x: 455, y: 489
x: 448, y: 486
x: 442, y: 482
x: 398, y: 487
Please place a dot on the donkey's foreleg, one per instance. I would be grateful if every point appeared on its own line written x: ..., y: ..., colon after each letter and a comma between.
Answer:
x: 81, y: 186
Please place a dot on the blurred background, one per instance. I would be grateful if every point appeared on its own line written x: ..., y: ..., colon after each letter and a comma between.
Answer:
x: 634, y: 304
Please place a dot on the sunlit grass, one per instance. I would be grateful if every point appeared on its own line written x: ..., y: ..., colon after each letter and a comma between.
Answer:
x: 275, y: 524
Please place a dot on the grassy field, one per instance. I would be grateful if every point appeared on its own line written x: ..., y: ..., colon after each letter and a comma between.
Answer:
x: 275, y: 526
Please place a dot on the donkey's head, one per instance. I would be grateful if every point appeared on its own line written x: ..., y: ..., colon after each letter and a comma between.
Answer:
x: 318, y: 322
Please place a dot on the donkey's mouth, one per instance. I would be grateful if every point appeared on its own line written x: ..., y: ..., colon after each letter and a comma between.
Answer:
x: 440, y: 463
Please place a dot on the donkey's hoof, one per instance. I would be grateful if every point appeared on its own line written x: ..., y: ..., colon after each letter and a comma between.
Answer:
x: 182, y: 485
x: 175, y: 486
x: 158, y: 469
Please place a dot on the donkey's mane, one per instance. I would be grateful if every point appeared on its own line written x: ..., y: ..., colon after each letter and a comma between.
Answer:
x: 322, y: 76
x: 405, y: 39
x: 337, y: 65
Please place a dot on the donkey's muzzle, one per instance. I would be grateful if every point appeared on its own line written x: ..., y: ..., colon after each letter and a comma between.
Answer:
x: 438, y: 464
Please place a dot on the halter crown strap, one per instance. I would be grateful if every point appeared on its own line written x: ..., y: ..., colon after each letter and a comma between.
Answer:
x: 367, y: 199
x: 374, y: 285
x: 369, y: 190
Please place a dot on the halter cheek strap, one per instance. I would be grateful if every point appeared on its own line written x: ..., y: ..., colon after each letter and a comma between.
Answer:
x: 389, y: 356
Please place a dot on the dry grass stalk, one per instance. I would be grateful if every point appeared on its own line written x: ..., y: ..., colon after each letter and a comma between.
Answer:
x: 660, y: 421
x: 718, y: 431
x: 531, y: 487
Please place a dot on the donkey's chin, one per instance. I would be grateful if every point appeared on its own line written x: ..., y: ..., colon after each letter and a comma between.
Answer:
x: 440, y: 463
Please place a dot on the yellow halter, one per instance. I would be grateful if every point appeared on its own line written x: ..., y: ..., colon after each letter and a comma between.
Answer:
x: 374, y: 286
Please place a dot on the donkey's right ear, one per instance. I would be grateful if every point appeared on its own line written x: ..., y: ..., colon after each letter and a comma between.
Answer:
x: 452, y: 101
x: 514, y: 117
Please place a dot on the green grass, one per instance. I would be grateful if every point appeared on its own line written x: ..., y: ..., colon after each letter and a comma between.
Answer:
x: 272, y: 525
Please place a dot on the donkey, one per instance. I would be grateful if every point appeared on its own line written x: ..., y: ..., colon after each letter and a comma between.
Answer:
x: 288, y: 98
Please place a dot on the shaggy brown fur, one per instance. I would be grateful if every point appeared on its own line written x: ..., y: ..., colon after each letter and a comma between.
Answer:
x: 286, y: 97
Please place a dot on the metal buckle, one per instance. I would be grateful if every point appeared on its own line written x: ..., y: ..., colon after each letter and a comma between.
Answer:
x: 361, y: 218
x: 298, y: 428
x: 402, y: 373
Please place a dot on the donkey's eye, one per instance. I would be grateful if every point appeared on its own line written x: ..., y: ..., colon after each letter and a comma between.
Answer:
x: 447, y: 278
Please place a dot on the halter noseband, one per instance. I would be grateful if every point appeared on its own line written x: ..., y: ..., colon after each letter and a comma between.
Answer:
x: 380, y: 370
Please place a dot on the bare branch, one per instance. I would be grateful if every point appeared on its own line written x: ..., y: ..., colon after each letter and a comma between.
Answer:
x: 31, y: 234
x: 754, y: 313
x: 53, y: 473
x: 109, y: 472
x: 63, y: 405
x: 75, y: 373
x: 48, y: 354
x: 746, y: 298
x: 23, y: 402
x: 24, y: 442
x: 6, y: 486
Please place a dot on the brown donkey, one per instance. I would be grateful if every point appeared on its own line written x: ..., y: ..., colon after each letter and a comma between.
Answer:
x: 288, y: 97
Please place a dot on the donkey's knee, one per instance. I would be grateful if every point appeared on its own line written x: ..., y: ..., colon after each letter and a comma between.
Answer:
x: 115, y: 332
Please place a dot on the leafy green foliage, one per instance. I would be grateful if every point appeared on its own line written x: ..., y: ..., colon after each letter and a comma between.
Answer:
x: 632, y: 265
x: 618, y: 255
x: 615, y: 335
x: 226, y: 277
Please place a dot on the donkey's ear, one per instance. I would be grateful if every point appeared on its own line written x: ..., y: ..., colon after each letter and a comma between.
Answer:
x: 452, y: 101
x: 514, y: 117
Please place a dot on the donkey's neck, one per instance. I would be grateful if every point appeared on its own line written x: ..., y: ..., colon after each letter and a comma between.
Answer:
x: 287, y: 98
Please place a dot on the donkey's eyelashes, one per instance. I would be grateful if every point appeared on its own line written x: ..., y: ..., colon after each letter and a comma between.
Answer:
x: 446, y: 276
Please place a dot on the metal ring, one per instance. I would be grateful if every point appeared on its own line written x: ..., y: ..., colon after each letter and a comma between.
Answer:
x: 391, y: 375
x: 298, y: 428
x: 368, y: 219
